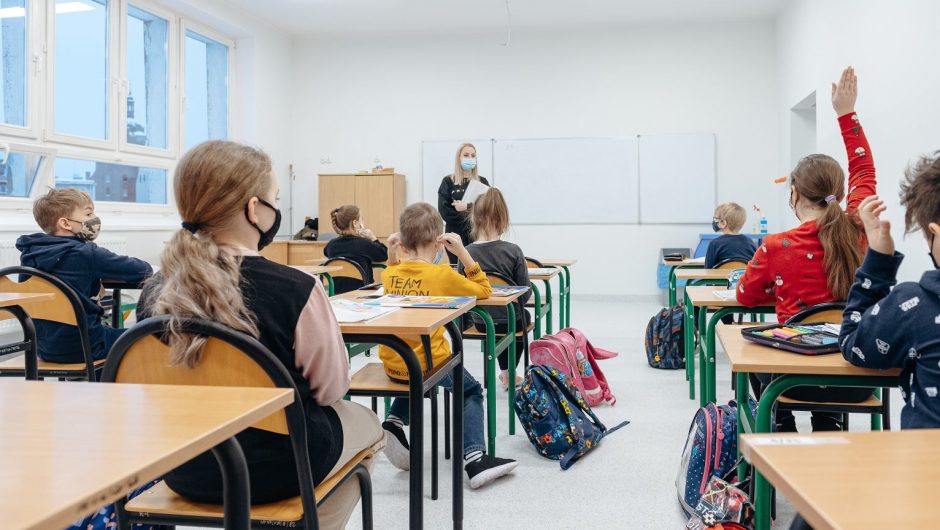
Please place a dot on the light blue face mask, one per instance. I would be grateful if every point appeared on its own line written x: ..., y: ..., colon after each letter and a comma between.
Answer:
x: 467, y: 164
x: 439, y: 256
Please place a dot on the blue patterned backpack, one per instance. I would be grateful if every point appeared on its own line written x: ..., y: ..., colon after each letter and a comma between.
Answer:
x: 665, y: 347
x: 557, y: 420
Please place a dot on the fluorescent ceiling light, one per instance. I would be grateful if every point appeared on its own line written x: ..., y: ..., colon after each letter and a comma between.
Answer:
x: 66, y: 7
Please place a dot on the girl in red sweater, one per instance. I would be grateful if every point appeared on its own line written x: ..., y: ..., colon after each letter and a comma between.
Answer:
x: 816, y: 261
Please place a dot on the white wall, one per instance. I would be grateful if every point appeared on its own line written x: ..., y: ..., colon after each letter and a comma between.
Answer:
x: 894, y: 47
x: 261, y: 112
x: 361, y: 96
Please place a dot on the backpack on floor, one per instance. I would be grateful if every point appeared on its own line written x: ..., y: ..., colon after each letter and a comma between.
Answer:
x: 584, y: 344
x: 665, y: 347
x: 569, y: 352
x: 555, y: 417
x: 710, y: 451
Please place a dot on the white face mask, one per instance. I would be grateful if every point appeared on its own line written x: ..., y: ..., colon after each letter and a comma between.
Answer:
x: 439, y: 256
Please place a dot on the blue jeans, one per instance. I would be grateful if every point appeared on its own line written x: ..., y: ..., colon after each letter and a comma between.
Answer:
x: 472, y: 411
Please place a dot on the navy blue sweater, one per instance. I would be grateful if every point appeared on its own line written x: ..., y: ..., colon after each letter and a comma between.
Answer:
x: 897, y: 328
x: 82, y: 266
x: 729, y: 247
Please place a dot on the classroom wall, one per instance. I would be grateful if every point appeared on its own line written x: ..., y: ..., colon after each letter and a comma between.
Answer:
x: 894, y: 47
x: 261, y: 109
x: 366, y: 95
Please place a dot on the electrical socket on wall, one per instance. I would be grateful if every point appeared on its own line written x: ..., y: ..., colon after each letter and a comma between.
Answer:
x: 325, y: 159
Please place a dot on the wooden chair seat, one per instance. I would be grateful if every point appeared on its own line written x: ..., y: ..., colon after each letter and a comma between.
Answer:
x: 531, y: 302
x: 17, y: 366
x: 472, y: 333
x: 871, y: 402
x: 161, y: 500
x: 372, y: 378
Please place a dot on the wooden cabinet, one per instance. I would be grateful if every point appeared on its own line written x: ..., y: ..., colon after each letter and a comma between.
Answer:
x: 380, y: 198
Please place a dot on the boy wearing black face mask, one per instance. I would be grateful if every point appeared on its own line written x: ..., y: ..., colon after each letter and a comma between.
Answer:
x: 65, y: 249
x: 900, y: 328
x: 730, y: 245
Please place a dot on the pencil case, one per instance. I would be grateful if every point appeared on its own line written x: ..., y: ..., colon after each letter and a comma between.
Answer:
x: 807, y: 339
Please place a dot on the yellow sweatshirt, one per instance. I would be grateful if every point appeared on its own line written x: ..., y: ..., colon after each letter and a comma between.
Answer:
x: 425, y: 279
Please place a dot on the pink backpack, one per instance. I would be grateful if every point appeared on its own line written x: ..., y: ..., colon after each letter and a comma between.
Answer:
x: 571, y: 353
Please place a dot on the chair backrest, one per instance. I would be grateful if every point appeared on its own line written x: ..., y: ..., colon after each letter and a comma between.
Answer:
x: 350, y: 269
x: 229, y: 358
x: 533, y: 263
x: 731, y: 264
x: 378, y: 269
x: 827, y: 312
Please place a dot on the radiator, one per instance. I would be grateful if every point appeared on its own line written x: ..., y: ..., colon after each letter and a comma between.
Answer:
x: 10, y: 256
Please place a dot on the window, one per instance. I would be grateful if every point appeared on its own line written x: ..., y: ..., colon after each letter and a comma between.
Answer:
x: 81, y: 68
x: 106, y: 181
x: 13, y: 72
x: 206, y: 82
x: 147, y: 70
x: 18, y: 172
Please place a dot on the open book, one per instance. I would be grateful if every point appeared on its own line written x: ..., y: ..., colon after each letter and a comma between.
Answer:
x: 349, y: 311
x: 433, y: 302
x: 474, y: 190
x: 508, y: 290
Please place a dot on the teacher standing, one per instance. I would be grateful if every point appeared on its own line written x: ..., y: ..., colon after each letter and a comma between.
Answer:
x: 450, y: 202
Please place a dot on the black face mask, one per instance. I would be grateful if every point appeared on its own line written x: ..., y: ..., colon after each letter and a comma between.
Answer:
x: 267, y: 236
x: 715, y: 227
x: 932, y: 259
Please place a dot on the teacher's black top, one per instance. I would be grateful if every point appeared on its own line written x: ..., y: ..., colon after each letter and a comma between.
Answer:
x: 454, y: 221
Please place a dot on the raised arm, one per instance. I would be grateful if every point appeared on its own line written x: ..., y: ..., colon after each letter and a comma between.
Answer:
x: 861, y: 164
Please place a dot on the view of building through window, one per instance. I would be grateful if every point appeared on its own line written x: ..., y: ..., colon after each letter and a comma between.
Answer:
x: 105, y: 181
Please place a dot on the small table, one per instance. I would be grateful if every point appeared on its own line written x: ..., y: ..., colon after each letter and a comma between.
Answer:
x: 321, y: 270
x: 687, y: 263
x: 119, y: 438
x: 420, y: 322
x: 12, y: 303
x: 493, y: 349
x: 796, y: 370
x: 704, y: 297
x: 564, y: 288
x: 544, y: 274
x: 853, y: 480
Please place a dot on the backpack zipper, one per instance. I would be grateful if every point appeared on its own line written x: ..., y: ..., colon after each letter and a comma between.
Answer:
x: 708, y: 449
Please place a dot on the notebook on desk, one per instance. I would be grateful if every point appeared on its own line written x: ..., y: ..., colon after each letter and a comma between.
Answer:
x: 347, y: 311
x: 431, y: 302
x: 508, y: 290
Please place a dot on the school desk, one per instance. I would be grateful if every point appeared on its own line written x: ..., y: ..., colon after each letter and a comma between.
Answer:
x: 564, y: 288
x: 795, y: 370
x: 841, y: 481
x: 674, y: 266
x: 13, y: 303
x: 695, y: 277
x: 119, y: 438
x: 321, y: 270
x: 544, y: 275
x: 385, y: 330
x: 704, y: 297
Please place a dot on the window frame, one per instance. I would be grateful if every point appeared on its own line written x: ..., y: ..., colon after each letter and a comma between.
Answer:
x: 42, y: 176
x: 186, y: 26
x: 33, y: 76
x: 117, y: 207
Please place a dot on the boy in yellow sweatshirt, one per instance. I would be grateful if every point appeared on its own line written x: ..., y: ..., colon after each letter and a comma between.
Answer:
x: 415, y: 254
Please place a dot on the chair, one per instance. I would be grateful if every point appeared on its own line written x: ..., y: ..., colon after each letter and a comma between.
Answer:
x: 229, y: 358
x: 378, y: 270
x: 874, y: 405
x: 65, y: 308
x: 350, y: 278
x: 731, y: 264
x: 470, y: 331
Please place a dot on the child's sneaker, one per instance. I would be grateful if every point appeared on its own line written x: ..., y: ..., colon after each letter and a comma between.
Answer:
x: 397, y: 449
x: 486, y: 469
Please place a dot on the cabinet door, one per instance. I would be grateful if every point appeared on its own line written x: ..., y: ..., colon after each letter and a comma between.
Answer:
x: 374, y: 195
x: 334, y: 191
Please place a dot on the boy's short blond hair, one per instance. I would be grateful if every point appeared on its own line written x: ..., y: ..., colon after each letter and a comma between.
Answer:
x: 58, y: 203
x: 733, y: 214
x: 420, y: 225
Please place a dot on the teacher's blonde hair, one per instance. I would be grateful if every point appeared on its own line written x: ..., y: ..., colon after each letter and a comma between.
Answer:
x: 457, y: 177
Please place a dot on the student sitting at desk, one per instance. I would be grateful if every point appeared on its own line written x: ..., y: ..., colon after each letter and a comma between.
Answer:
x: 211, y: 269
x: 900, y: 327
x: 354, y: 242
x: 420, y: 246
x: 490, y: 220
x: 815, y: 262
x: 731, y: 244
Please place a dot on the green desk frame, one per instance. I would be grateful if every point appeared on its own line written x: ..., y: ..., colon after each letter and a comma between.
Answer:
x: 491, y: 349
x: 539, y: 316
x: 708, y: 390
x: 564, y: 296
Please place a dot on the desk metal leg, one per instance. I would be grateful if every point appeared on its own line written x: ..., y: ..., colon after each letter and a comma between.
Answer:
x: 537, y: 297
x: 562, y: 299
x: 511, y: 333
x: 745, y: 420
x: 489, y: 351
x: 688, y: 334
x: 672, y: 286
x: 567, y: 296
x: 28, y: 346
x: 236, y: 492
x: 329, y: 283
x: 457, y: 429
x: 551, y: 307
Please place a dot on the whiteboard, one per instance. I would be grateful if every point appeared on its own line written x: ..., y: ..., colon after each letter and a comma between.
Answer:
x: 677, y: 178
x: 437, y: 161
x: 569, y: 180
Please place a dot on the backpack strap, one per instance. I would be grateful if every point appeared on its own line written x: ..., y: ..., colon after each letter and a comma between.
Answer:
x: 581, y: 404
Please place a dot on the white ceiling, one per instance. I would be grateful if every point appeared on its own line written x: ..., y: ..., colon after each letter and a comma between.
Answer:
x: 317, y: 17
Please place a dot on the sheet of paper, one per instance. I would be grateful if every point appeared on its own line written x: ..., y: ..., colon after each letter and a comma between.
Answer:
x: 798, y: 440
x: 728, y: 294
x: 474, y: 190
x: 697, y: 261
x: 349, y: 311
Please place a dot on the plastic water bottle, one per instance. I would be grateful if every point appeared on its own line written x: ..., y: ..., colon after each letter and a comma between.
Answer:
x: 763, y: 225
x: 378, y: 163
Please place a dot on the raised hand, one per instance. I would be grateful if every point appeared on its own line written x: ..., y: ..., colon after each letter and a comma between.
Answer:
x: 453, y: 244
x: 877, y: 229
x: 845, y: 92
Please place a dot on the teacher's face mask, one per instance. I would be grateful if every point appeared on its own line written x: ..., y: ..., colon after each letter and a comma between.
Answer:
x: 467, y: 164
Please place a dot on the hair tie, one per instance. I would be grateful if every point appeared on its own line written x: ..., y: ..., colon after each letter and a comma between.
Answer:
x: 191, y: 227
x: 830, y: 199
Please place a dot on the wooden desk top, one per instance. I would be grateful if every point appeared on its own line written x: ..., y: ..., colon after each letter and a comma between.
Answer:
x: 882, y: 479
x: 317, y: 269
x: 704, y: 295
x: 69, y: 448
x: 500, y: 300
x: 747, y: 356
x: 10, y: 299
x: 404, y: 321
x: 557, y: 262
x: 703, y: 274
x: 543, y: 274
x: 688, y: 262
